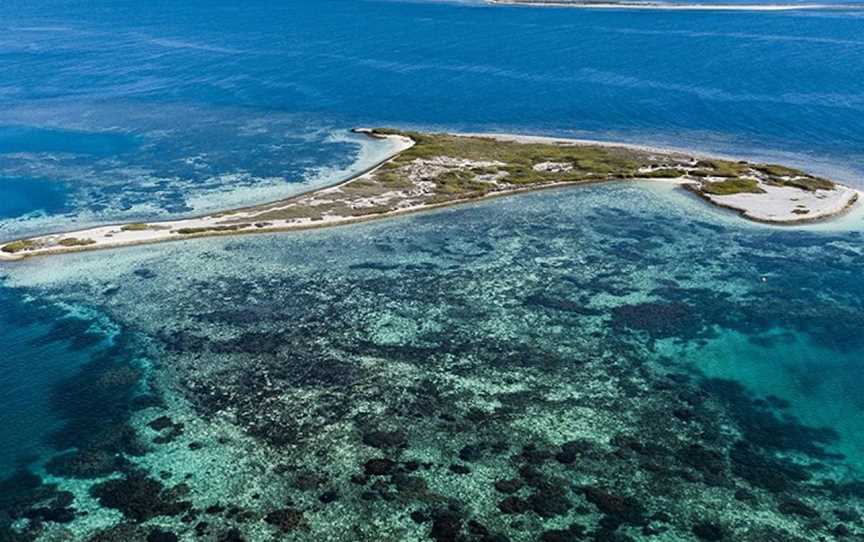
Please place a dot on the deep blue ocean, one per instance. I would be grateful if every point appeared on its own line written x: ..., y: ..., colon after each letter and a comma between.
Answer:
x: 142, y: 110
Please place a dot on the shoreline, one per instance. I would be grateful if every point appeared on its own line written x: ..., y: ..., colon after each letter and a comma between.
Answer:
x: 668, y: 6
x: 360, y: 131
x: 249, y: 220
x: 743, y: 213
x: 856, y: 197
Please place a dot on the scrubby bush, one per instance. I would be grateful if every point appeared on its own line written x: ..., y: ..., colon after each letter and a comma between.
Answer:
x: 138, y: 226
x: 75, y: 242
x: 18, y: 246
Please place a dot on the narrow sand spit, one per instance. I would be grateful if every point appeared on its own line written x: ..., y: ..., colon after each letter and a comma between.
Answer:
x: 417, y: 182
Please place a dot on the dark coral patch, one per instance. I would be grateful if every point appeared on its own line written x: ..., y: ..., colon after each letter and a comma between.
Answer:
x: 762, y: 426
x: 513, y: 505
x: 658, y: 318
x: 379, y: 467
x: 572, y: 450
x: 139, y: 497
x: 286, y: 519
x: 710, y: 532
x: 385, y: 439
x: 509, y: 486
x: 550, y: 502
x: 761, y: 470
x: 795, y: 507
x: 158, y: 535
x: 623, y: 509
x: 86, y: 464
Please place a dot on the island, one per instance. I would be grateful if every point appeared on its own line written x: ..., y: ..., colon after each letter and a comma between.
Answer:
x: 708, y: 6
x: 432, y: 170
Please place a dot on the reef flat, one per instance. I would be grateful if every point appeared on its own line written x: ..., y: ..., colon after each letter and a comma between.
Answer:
x: 601, y: 364
x: 435, y: 170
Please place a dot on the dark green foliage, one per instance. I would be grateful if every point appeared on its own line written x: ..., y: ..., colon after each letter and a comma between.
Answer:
x: 75, y: 242
x: 731, y: 186
x: 138, y: 226
x: 18, y: 246
x: 212, y: 229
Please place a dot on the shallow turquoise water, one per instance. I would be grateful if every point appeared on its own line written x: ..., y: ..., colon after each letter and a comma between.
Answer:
x: 663, y: 340
x: 617, y: 359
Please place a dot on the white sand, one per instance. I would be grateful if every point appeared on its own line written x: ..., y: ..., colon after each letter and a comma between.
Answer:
x: 787, y: 205
x: 776, y: 205
x: 115, y: 236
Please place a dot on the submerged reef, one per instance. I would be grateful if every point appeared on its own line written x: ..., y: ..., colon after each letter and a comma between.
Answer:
x: 482, y: 374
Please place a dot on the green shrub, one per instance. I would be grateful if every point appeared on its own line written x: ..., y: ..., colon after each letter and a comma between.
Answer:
x: 75, y: 242
x: 811, y: 184
x: 18, y: 246
x: 778, y: 170
x: 728, y: 187
x: 212, y: 229
x: 138, y: 226
x: 721, y: 168
x: 665, y: 173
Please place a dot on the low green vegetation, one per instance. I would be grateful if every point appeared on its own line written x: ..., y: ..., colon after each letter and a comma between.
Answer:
x: 663, y: 173
x: 75, y: 242
x: 811, y: 184
x: 17, y: 246
x: 786, y: 176
x: 521, y: 157
x: 138, y: 226
x: 720, y: 168
x: 728, y: 187
x: 212, y: 229
x: 777, y: 170
x: 368, y: 188
x: 587, y: 162
x: 371, y: 210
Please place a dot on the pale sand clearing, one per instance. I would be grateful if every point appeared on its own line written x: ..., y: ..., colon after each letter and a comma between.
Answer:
x: 782, y: 205
x: 786, y: 205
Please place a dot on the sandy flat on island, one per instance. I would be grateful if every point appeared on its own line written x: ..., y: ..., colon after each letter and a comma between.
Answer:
x: 783, y: 204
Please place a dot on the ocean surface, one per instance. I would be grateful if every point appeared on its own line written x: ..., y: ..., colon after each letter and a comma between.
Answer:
x: 615, y: 362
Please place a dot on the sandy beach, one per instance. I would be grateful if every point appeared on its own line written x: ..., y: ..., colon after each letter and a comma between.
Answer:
x: 777, y: 205
x: 364, y: 196
x: 784, y: 205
